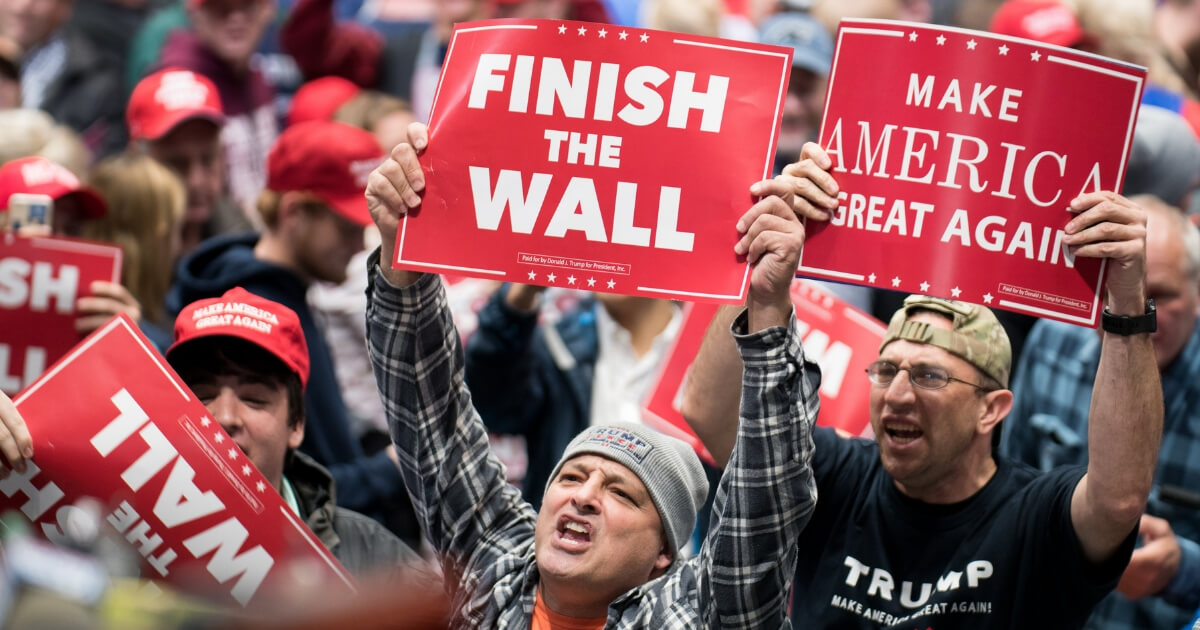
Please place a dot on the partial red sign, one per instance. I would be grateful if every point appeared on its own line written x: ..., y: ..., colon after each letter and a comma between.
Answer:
x: 842, y: 340
x: 594, y: 156
x: 111, y: 421
x: 957, y: 153
x: 40, y: 279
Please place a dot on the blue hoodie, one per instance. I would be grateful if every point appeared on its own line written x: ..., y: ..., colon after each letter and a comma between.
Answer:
x: 365, y: 484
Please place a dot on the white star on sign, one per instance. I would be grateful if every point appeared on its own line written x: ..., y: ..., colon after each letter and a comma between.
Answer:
x: 582, y: 30
x: 205, y: 421
x: 1035, y: 56
x: 956, y: 292
x: 941, y: 40
x: 912, y: 37
x: 827, y: 302
x: 623, y: 35
x: 1004, y: 50
x: 871, y: 278
x: 232, y: 452
x: 562, y: 29
x: 602, y: 32
x: 570, y: 279
x: 896, y: 281
x: 644, y: 37
x: 591, y: 282
x: 987, y: 298
x: 611, y: 284
x: 246, y: 469
x: 533, y: 275
x: 260, y: 486
x: 552, y: 277
x: 924, y: 287
x: 972, y: 44
x: 218, y: 437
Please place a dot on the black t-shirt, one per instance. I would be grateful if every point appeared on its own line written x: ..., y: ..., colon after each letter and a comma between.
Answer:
x: 1007, y: 557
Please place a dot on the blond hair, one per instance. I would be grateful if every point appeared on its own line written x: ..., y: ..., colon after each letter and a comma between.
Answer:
x: 145, y: 208
x: 32, y: 132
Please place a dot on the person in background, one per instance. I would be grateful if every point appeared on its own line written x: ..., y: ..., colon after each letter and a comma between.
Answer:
x: 74, y: 205
x: 175, y: 116
x: 314, y: 213
x: 145, y: 210
x: 10, y: 74
x: 33, y: 133
x: 64, y: 74
x: 252, y: 378
x: 220, y: 45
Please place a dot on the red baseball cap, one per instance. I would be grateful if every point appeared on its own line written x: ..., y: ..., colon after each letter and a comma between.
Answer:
x: 328, y: 159
x: 241, y: 314
x: 1041, y: 20
x: 163, y: 100
x: 40, y: 176
x: 320, y: 99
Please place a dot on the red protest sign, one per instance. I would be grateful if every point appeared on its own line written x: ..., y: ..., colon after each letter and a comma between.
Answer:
x: 957, y: 153
x: 40, y: 279
x: 842, y: 339
x: 593, y: 156
x: 111, y: 421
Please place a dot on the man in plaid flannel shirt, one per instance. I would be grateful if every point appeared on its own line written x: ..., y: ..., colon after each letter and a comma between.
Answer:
x: 584, y: 555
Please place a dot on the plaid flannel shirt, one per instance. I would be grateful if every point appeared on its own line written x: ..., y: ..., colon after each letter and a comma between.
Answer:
x: 484, y: 532
x: 1048, y: 427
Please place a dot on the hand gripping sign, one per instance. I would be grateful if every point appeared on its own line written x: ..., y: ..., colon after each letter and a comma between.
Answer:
x: 40, y: 279
x: 111, y: 421
x: 593, y: 156
x: 957, y: 153
x: 842, y: 340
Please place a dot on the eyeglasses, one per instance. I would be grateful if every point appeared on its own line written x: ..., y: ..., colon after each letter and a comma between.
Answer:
x: 923, y: 376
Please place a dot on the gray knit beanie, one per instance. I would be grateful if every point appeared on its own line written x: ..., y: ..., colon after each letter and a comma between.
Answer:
x: 667, y: 466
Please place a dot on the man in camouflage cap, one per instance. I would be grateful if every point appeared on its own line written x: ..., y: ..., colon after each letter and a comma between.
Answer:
x: 925, y: 525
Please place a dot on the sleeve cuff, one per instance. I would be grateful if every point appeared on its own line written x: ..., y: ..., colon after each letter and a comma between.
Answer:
x: 1184, y: 589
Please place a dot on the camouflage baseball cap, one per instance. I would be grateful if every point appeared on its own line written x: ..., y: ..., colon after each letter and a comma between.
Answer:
x: 976, y: 335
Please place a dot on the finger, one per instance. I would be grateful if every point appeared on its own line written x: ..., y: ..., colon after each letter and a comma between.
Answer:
x: 85, y: 324
x: 813, y: 151
x: 1106, y: 231
x: 811, y: 171
x: 1123, y: 251
x: 15, y: 443
x: 404, y: 169
x: 770, y: 205
x: 100, y: 305
x: 1085, y: 201
x: 771, y: 233
x: 418, y: 135
x: 388, y: 185
x: 1119, y: 211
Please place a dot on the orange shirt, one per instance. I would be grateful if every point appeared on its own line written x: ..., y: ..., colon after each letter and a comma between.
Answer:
x: 546, y: 619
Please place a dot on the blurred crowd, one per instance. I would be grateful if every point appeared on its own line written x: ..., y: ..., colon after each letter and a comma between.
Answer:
x: 227, y: 143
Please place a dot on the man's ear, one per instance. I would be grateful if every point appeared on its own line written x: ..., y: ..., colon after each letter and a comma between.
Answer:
x: 291, y: 209
x: 664, y: 560
x: 997, y: 404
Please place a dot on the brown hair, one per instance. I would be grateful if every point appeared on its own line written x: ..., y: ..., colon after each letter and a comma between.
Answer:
x: 145, y: 206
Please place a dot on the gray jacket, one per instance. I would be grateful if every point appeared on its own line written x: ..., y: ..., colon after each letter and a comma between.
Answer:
x: 360, y: 543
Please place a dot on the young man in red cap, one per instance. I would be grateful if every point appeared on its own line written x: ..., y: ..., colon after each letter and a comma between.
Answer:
x: 175, y: 116
x: 245, y: 358
x: 74, y: 204
x: 314, y: 212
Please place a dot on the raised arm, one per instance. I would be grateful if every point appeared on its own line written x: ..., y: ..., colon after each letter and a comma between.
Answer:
x: 458, y: 489
x: 710, y: 401
x: 1126, y: 416
x: 767, y: 493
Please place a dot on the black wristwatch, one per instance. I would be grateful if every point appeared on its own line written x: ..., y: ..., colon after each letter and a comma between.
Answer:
x: 1130, y: 324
